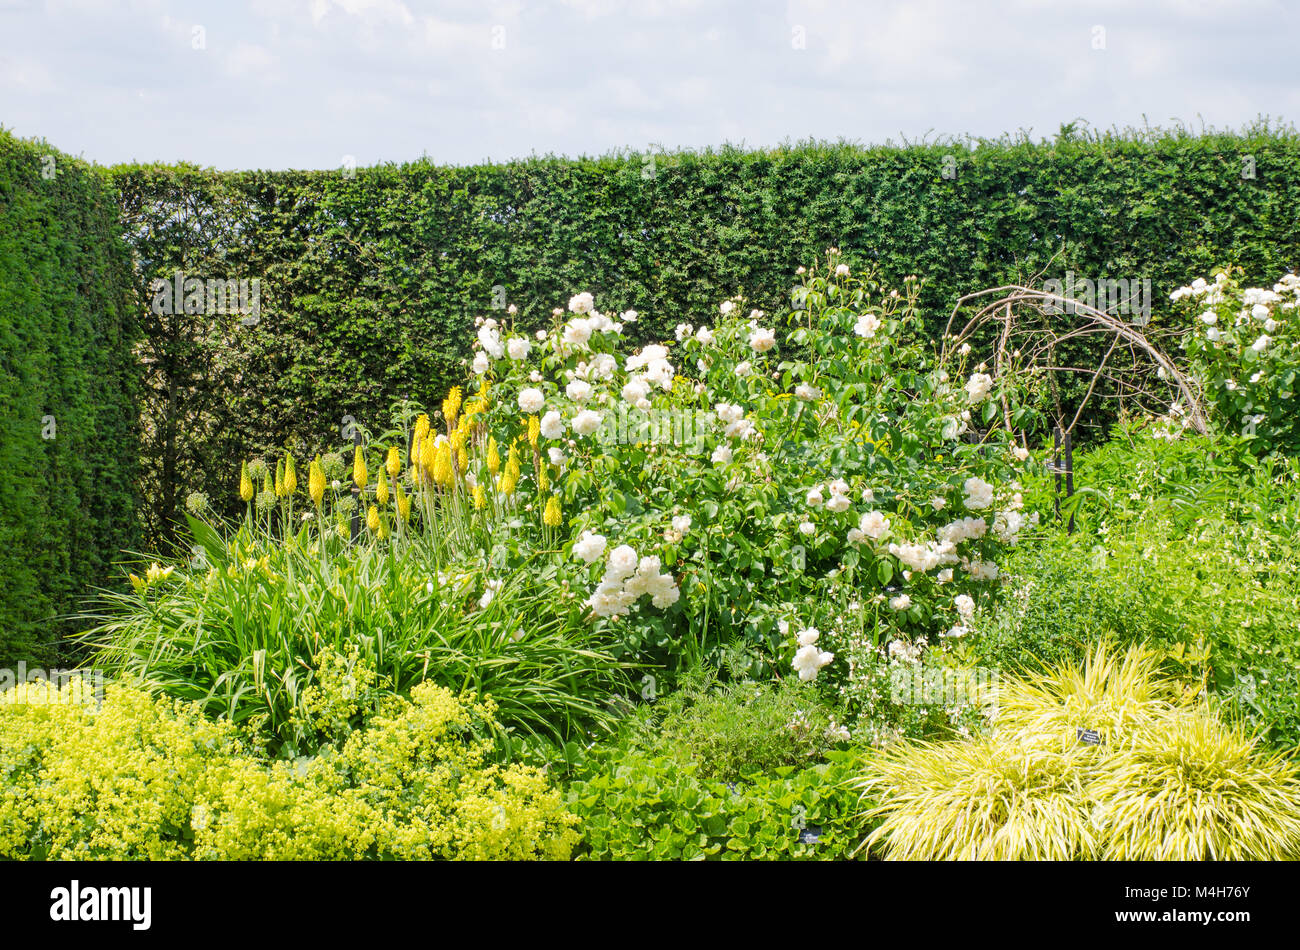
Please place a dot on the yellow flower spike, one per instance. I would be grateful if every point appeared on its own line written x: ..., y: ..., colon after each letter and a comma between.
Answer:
x: 394, y: 463
x: 290, y: 476
x: 381, y: 488
x: 316, y: 482
x: 493, y: 456
x: 443, y: 473
x: 245, y: 483
x: 480, y: 498
x: 543, y: 479
x: 403, y: 504
x: 417, y: 456
x: 137, y: 583
x: 359, y: 473
x: 451, y: 406
x: 372, y: 518
x: 534, y: 430
x: 428, y: 456
x: 384, y: 531
x: 267, y: 484
x: 279, y: 478
x: 421, y: 429
x: 552, y: 517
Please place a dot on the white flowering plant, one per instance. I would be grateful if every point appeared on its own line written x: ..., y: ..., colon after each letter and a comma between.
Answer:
x: 709, y: 482
x: 1244, y: 345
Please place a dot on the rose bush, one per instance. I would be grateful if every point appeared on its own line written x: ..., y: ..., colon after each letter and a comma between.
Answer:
x: 718, y: 500
x: 1244, y: 344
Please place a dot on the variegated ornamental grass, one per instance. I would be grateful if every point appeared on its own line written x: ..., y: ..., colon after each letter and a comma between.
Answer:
x: 1169, y: 781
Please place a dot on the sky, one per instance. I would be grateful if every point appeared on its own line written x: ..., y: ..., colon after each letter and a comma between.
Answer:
x: 280, y: 84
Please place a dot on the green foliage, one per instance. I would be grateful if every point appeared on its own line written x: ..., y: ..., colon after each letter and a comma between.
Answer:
x: 235, y: 629
x: 68, y: 425
x: 734, y: 731
x: 1167, y: 781
x: 370, y: 279
x: 657, y: 808
x: 1188, y: 545
x: 146, y: 778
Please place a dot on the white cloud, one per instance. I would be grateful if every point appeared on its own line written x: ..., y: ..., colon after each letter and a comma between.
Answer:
x: 388, y: 80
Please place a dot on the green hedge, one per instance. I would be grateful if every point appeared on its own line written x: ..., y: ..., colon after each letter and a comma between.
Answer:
x: 372, y: 278
x: 68, y: 416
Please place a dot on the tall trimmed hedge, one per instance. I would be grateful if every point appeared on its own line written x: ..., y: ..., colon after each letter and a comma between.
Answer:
x: 371, y: 279
x: 68, y: 411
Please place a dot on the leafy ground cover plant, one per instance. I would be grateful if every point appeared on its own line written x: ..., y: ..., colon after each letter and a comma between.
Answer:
x: 657, y: 808
x: 148, y: 777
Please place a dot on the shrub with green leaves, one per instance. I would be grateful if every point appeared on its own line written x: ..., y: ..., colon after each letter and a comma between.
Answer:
x: 68, y: 396
x: 730, y: 732
x: 148, y: 778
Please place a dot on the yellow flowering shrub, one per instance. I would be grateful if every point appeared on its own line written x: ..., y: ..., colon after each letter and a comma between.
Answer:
x: 139, y: 777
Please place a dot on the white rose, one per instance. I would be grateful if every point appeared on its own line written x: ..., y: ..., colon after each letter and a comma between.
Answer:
x: 586, y: 422
x: 814, y: 498
x: 531, y: 400
x: 901, y: 602
x: 721, y: 455
x: 480, y: 363
x: 581, y: 303
x: 634, y: 390
x: 744, y: 369
x: 761, y: 340
x: 518, y: 348
x: 978, y: 386
x: 873, y: 524
x: 589, y: 547
x: 682, y: 523
x: 807, y: 528
x: 578, y: 390
x: 622, y: 563
x: 808, y: 660
x: 552, y: 425
x: 867, y: 325
x: 979, y: 493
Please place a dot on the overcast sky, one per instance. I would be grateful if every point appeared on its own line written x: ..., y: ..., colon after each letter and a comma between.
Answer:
x: 308, y: 83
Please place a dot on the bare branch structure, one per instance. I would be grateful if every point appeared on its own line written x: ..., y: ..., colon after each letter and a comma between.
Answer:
x: 1028, y: 340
